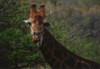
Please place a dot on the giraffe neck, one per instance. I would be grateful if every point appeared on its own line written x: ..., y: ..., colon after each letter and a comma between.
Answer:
x: 58, y: 57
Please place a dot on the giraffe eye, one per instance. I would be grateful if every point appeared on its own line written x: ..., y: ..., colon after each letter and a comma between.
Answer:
x: 36, y: 33
x: 29, y: 24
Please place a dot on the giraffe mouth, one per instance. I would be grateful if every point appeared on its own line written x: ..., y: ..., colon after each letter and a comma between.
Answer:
x: 35, y: 41
x: 36, y: 38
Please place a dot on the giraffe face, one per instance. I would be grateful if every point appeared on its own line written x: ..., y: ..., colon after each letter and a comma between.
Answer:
x: 36, y: 22
x: 37, y: 28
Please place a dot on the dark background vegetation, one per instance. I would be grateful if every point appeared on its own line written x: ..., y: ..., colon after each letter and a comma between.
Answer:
x: 75, y: 23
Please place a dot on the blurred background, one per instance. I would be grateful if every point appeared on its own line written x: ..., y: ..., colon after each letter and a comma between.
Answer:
x: 75, y: 24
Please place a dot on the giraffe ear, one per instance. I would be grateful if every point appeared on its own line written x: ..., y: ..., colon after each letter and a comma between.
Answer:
x: 42, y: 10
x: 33, y: 10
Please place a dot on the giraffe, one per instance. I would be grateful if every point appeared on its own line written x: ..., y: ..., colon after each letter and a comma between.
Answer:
x: 56, y: 55
x: 36, y: 22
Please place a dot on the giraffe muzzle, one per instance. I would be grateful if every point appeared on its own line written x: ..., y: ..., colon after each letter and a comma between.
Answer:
x: 35, y: 38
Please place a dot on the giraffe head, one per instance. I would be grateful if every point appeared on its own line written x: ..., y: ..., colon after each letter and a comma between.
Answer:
x: 36, y: 21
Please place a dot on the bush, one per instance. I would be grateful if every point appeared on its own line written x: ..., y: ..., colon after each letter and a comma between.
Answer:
x: 15, y: 39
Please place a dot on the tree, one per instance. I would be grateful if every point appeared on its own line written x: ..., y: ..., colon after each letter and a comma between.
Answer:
x: 15, y: 39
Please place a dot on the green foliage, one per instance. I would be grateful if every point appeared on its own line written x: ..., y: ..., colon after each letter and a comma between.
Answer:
x: 73, y: 31
x: 96, y: 2
x: 86, y: 2
x: 15, y: 39
x: 70, y: 27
